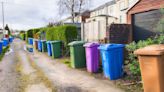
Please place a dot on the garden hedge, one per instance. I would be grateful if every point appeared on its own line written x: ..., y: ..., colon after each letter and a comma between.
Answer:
x: 22, y: 36
x: 29, y: 34
x: 66, y: 33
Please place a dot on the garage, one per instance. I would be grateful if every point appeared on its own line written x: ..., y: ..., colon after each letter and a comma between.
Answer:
x: 144, y: 18
x: 145, y: 24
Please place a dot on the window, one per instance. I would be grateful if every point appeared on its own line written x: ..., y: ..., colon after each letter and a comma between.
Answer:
x: 120, y: 19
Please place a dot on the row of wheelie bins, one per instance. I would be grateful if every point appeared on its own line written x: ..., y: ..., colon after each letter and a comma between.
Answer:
x: 88, y: 55
x: 5, y: 42
x: 53, y: 48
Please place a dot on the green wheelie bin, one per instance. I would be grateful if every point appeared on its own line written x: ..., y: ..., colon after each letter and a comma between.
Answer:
x: 56, y: 49
x: 77, y: 53
x: 44, y: 45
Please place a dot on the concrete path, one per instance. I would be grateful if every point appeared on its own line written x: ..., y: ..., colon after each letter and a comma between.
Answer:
x: 9, y: 78
x: 28, y: 70
x: 70, y: 80
x: 64, y: 79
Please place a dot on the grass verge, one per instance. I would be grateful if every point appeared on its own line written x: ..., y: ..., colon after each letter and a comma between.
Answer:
x: 4, y: 50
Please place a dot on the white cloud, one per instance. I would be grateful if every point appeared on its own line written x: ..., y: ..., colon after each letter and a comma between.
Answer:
x: 25, y: 14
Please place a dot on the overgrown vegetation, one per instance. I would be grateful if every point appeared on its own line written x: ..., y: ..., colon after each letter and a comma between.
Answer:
x: 5, y: 49
x: 132, y: 61
x: 29, y: 34
x: 22, y: 35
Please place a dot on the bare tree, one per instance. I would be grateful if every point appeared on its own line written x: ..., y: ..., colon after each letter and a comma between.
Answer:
x: 72, y: 7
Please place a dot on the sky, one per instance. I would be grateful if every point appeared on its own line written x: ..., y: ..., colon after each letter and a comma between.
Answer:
x: 26, y: 14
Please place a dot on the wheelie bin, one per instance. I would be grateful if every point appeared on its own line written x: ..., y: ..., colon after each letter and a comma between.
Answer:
x: 30, y: 41
x: 77, y: 53
x: 112, y: 60
x: 44, y: 46
x: 92, y: 57
x: 1, y: 46
x: 49, y: 50
x: 5, y: 41
x: 56, y: 49
x: 39, y: 46
x: 151, y: 59
x: 36, y: 43
x: 10, y: 39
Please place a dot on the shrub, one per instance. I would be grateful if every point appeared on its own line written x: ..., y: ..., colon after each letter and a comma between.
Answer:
x: 22, y: 36
x: 132, y: 60
x: 29, y: 34
x: 42, y: 33
x: 35, y: 31
x: 66, y: 33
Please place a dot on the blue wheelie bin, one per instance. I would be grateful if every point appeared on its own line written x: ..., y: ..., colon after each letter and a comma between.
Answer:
x: 5, y: 41
x: 49, y: 49
x: 30, y: 41
x: 39, y: 45
x: 1, y: 46
x: 10, y: 39
x: 112, y: 60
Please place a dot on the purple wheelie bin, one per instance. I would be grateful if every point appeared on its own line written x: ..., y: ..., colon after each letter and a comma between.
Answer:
x: 92, y: 57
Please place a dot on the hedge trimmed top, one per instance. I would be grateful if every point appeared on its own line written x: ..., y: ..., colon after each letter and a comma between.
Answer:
x: 66, y: 33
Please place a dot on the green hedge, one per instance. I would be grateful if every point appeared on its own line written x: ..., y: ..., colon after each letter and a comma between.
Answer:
x: 29, y: 34
x: 22, y: 36
x: 132, y: 61
x: 66, y: 33
x: 32, y: 33
x: 42, y: 33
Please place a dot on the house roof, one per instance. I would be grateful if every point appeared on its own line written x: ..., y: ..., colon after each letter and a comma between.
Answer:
x: 85, y: 13
x: 104, y: 5
x: 132, y: 5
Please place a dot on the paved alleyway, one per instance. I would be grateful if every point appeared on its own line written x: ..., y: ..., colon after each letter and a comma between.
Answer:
x: 9, y: 78
x: 62, y: 78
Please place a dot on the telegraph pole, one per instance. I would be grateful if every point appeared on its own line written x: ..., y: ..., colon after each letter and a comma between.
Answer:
x: 3, y: 15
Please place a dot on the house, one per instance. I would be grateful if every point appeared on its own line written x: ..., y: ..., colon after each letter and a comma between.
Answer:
x: 113, y: 12
x: 79, y: 18
x: 115, y: 8
x: 145, y: 17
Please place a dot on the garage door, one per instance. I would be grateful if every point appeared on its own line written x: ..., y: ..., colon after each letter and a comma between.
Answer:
x: 145, y: 24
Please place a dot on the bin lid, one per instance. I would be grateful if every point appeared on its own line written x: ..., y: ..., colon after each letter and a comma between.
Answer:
x: 76, y: 43
x: 43, y: 40
x: 91, y: 44
x: 48, y: 42
x: 110, y: 46
x: 151, y: 50
x: 5, y: 38
x: 54, y: 41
